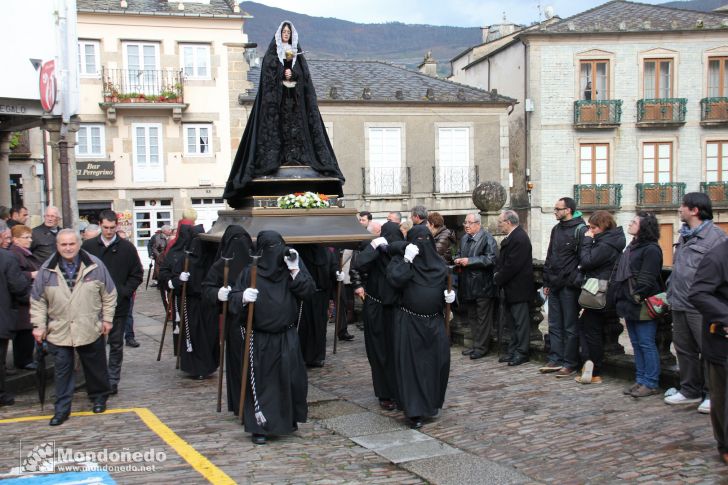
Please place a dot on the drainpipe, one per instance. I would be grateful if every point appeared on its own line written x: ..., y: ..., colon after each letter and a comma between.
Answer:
x: 527, y: 134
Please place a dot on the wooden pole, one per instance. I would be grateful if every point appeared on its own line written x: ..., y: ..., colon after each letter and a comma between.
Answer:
x: 246, y: 349
x: 222, y: 329
x: 167, y: 317
x: 339, y: 284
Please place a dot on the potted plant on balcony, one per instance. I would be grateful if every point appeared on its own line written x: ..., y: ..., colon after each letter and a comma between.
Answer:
x: 111, y: 94
x: 168, y: 95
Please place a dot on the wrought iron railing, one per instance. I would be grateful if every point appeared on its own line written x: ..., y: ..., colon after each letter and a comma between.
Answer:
x: 714, y: 109
x: 386, y: 180
x: 606, y: 112
x: 717, y: 192
x: 454, y: 180
x: 598, y: 196
x: 662, y: 110
x: 142, y: 85
x: 660, y: 195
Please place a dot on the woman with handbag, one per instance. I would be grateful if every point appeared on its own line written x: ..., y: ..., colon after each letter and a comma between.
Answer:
x: 600, y: 250
x: 637, y: 278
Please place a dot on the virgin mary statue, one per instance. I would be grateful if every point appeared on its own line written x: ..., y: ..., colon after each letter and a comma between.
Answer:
x: 285, y: 126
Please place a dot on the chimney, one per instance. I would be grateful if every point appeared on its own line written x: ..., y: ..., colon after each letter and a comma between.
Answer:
x: 428, y: 65
x: 484, y: 33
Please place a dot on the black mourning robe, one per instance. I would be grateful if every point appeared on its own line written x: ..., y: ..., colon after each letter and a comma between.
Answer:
x: 284, y: 128
x: 281, y: 383
x: 378, y: 313
x: 168, y: 271
x: 200, y: 346
x: 421, y: 345
x: 321, y: 264
x: 235, y: 244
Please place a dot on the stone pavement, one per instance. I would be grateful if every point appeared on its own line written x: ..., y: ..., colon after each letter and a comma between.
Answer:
x: 499, y: 425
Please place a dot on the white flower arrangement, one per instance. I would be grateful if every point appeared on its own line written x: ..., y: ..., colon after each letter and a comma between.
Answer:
x: 303, y: 200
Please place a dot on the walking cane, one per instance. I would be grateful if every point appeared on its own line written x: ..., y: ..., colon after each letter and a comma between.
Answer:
x: 248, y: 331
x: 339, y: 284
x: 182, y: 317
x: 222, y: 329
x: 167, y: 317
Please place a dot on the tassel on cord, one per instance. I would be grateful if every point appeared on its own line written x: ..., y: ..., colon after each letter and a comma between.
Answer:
x: 188, y: 342
x: 259, y: 417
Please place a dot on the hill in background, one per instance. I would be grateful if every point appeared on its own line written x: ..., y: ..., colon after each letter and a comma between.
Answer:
x: 330, y: 38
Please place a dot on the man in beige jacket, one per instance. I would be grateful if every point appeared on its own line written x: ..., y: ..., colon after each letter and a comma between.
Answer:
x: 72, y: 305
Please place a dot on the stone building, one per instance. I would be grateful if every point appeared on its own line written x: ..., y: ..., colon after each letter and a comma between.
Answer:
x: 159, y: 116
x: 625, y: 111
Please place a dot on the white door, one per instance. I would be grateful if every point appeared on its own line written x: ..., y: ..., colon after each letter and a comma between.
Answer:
x: 207, y: 210
x: 147, y: 152
x: 143, y: 71
x: 454, y: 160
x: 149, y: 215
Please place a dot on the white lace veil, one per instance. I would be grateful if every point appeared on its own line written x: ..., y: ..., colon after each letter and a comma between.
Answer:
x: 281, y: 47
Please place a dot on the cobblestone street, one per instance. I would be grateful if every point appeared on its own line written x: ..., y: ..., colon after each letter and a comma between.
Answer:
x: 499, y: 425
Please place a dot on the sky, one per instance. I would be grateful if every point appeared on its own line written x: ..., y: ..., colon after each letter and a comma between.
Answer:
x: 460, y: 13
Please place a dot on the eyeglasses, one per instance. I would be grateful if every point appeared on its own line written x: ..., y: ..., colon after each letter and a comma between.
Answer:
x: 557, y: 209
x: 468, y: 223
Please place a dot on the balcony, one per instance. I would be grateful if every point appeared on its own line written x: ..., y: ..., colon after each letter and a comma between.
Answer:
x: 660, y: 196
x: 713, y: 111
x: 142, y: 89
x: 386, y: 181
x: 598, y: 196
x: 454, y: 180
x: 662, y: 112
x: 590, y: 114
x: 717, y: 192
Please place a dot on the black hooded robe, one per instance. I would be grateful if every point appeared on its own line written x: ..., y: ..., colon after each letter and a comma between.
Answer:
x: 284, y: 127
x: 200, y: 345
x: 278, y: 370
x: 421, y: 345
x: 378, y: 312
x: 321, y: 264
x: 235, y: 244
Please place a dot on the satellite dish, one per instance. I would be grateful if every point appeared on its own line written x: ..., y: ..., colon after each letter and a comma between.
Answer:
x: 549, y: 12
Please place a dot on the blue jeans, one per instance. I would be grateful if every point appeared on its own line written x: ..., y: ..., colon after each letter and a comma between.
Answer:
x: 646, y: 358
x: 563, y: 327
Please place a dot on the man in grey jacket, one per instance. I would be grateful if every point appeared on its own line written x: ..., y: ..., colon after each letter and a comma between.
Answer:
x: 475, y: 261
x: 698, y: 236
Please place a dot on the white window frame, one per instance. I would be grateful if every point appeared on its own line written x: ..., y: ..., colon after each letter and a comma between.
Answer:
x: 589, y: 166
x: 720, y: 171
x: 82, y: 72
x: 86, y: 152
x: 383, y: 164
x: 654, y: 162
x: 149, y: 85
x: 199, y: 51
x: 464, y: 162
x: 197, y: 127
x: 147, y: 173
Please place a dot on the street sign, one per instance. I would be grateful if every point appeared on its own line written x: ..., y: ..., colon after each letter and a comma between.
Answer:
x: 48, y: 88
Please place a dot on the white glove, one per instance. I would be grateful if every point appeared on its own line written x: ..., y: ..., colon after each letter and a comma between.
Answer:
x: 222, y: 293
x: 170, y: 284
x: 292, y: 260
x: 410, y: 252
x: 449, y: 296
x: 184, y: 276
x: 250, y: 295
x: 378, y: 242
x: 340, y: 276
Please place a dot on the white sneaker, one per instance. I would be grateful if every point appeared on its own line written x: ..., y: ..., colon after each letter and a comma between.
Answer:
x: 586, y: 372
x: 704, y: 407
x: 678, y: 398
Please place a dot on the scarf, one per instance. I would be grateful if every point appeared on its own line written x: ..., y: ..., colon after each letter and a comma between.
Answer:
x: 687, y: 232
